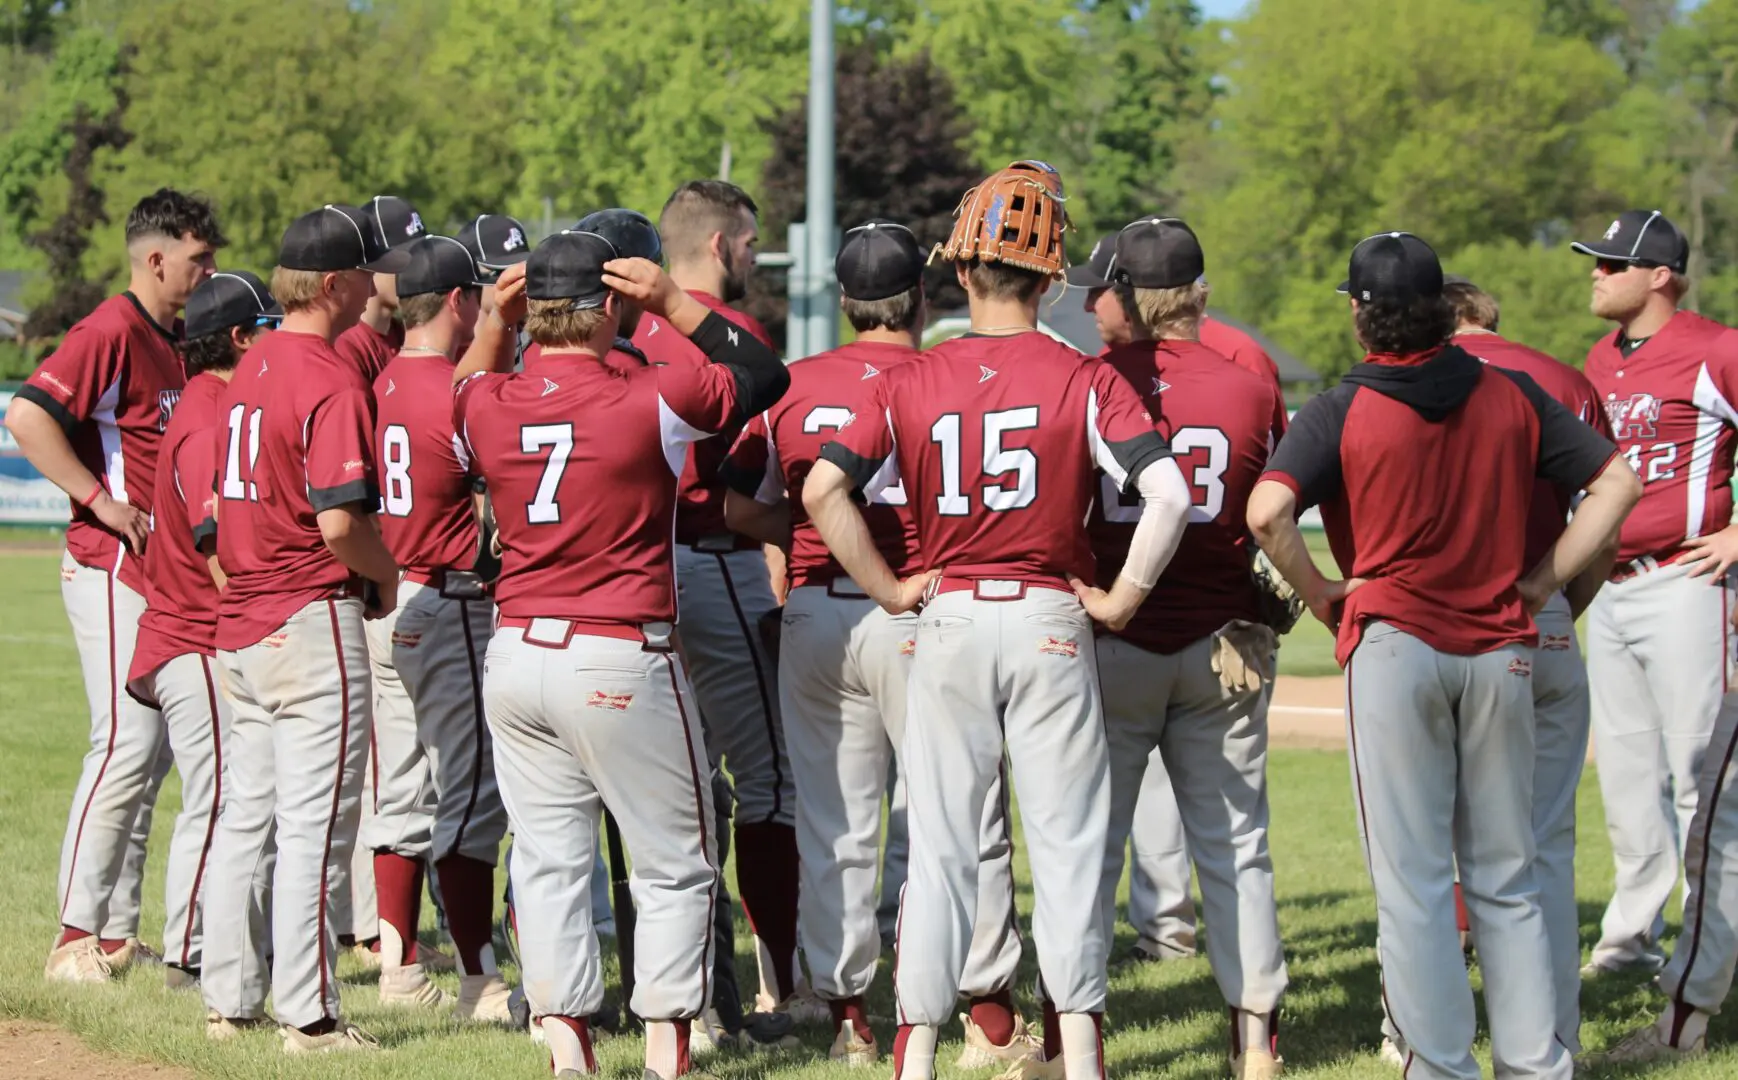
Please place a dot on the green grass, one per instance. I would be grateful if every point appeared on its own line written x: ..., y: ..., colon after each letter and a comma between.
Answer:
x: 1309, y: 648
x: 1166, y: 1020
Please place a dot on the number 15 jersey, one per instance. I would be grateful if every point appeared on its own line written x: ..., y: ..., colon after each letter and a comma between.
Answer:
x: 996, y: 440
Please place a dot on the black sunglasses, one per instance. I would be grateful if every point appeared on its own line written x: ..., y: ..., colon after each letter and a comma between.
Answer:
x: 1618, y: 266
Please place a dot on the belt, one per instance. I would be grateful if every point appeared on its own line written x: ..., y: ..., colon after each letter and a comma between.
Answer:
x: 841, y: 587
x: 996, y: 589
x: 557, y: 633
x: 719, y: 543
x: 452, y: 584
x: 1638, y: 566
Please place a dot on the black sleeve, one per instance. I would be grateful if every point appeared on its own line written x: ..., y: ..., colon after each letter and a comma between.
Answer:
x: 741, y: 481
x: 860, y: 469
x: 1571, y: 452
x: 205, y: 535
x: 1310, y: 451
x: 356, y: 491
x: 36, y: 395
x: 761, y: 377
x: 1134, y: 455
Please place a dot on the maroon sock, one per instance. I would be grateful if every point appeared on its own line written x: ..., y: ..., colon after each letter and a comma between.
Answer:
x: 854, y: 1010
x: 1052, y: 1032
x: 1461, y: 921
x: 468, y: 891
x: 900, y: 1037
x: 766, y: 879
x: 112, y: 945
x: 581, y: 1029
x: 398, y: 893
x: 70, y: 934
x: 994, y: 1015
x: 683, y: 1064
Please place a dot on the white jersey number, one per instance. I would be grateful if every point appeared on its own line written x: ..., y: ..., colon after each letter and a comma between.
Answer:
x: 1660, y: 464
x: 1206, y: 482
x: 998, y: 461
x: 558, y: 439
x: 834, y: 418
x: 395, y: 470
x: 242, y: 424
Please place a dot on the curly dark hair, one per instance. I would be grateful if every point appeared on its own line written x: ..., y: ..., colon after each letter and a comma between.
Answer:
x: 1400, y: 327
x: 167, y: 212
x: 213, y: 352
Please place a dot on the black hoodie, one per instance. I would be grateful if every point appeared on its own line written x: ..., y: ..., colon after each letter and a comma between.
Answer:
x: 1434, y: 388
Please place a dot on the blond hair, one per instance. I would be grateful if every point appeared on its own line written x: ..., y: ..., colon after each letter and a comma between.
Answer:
x: 554, y: 323
x: 1165, y: 313
x: 295, y: 290
x: 1472, y: 305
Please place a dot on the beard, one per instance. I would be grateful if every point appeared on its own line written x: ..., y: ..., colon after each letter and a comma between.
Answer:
x: 735, y: 278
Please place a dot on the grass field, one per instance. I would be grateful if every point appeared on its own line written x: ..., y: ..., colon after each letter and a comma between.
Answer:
x: 1163, y: 1021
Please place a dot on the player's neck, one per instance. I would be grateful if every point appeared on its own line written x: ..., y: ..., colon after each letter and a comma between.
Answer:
x: 595, y: 349
x: 1000, y: 315
x: 377, y: 316
x: 705, y: 278
x: 883, y: 336
x: 1650, y: 320
x: 1473, y: 328
x: 430, y: 338
x: 313, y: 321
x: 148, y: 293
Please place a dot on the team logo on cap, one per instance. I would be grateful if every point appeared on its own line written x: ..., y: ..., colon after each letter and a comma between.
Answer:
x: 415, y: 226
x: 1612, y: 230
x: 515, y: 240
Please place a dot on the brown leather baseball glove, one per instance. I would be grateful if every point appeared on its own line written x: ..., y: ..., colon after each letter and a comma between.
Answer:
x: 1016, y: 216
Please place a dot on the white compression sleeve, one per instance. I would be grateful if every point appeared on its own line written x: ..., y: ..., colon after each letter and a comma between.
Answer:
x: 1164, y: 515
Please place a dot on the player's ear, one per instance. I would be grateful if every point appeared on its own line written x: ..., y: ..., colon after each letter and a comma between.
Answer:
x: 717, y: 245
x: 963, y: 277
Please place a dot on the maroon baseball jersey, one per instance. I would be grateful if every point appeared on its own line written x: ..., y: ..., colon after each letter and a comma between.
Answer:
x: 1670, y: 405
x: 996, y: 439
x: 1551, y: 502
x: 779, y: 447
x: 180, y: 597
x: 1247, y: 353
x: 369, y: 349
x: 112, y: 386
x: 700, y: 511
x: 1219, y: 424
x: 297, y: 439
x: 1424, y: 468
x: 582, y: 461
x: 425, y: 484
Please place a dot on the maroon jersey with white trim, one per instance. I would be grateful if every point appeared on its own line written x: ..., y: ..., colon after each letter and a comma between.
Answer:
x: 297, y: 438
x: 582, y: 461
x: 1671, y: 408
x: 700, y: 512
x: 1220, y: 425
x: 425, y: 483
x: 996, y: 439
x: 369, y: 349
x: 112, y: 386
x: 778, y: 448
x: 1247, y: 353
x: 180, y: 597
x: 1552, y: 503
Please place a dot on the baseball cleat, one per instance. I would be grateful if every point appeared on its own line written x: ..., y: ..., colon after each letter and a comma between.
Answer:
x: 484, y: 999
x: 220, y: 1028
x: 850, y: 1050
x: 367, y: 958
x: 134, y: 953
x: 343, y: 1039
x: 1651, y: 962
x: 1035, y: 1069
x: 408, y: 987
x: 176, y: 977
x: 981, y: 1053
x: 803, y: 1007
x: 708, y: 1034
x: 1257, y: 1064
x: 692, y: 1074
x: 80, y: 961
x: 1645, y: 1045
x: 768, y: 1031
x: 1391, y: 1053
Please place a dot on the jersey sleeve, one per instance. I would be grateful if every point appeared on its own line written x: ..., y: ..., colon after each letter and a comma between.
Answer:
x: 463, y: 395
x: 340, y: 451
x: 1571, y: 452
x: 1307, y: 460
x: 196, y: 478
x: 1717, y: 388
x: 863, y: 447
x: 752, y: 467
x: 695, y: 403
x: 1119, y: 430
x: 72, y: 382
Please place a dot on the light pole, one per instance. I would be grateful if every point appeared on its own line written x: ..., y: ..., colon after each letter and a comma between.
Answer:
x: 822, y: 331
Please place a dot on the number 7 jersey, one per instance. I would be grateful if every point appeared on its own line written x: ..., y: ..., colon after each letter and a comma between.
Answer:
x: 996, y: 440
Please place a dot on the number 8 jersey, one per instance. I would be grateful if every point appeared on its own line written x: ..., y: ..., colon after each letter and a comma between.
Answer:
x: 996, y: 440
x: 296, y: 439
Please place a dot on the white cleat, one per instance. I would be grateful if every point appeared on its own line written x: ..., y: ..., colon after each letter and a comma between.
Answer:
x: 80, y: 961
x: 1646, y: 1045
x: 981, y: 1053
x: 1392, y: 1053
x: 1257, y: 1064
x: 343, y: 1039
x: 408, y: 987
x: 850, y: 1050
x: 134, y: 953
x: 485, y: 999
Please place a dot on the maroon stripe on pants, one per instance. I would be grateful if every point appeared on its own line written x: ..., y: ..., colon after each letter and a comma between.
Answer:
x: 748, y: 637
x: 705, y: 845
x: 1706, y: 814
x: 477, y: 727
x: 337, y: 794
x: 216, y: 801
x: 108, y: 756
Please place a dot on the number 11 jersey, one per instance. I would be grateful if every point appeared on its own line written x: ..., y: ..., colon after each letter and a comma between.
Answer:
x: 996, y: 440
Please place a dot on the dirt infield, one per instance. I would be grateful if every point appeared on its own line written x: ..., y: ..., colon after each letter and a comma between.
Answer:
x: 33, y: 1051
x: 1308, y: 713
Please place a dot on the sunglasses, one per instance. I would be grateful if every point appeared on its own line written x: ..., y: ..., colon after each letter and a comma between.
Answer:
x: 1618, y: 266
x: 268, y: 322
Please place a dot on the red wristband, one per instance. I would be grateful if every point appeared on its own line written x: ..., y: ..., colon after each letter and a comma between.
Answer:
x: 92, y: 497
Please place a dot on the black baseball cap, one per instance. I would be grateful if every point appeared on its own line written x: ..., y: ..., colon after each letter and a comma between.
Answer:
x: 879, y: 259
x: 631, y: 232
x: 1393, y: 266
x: 438, y: 264
x: 1094, y: 273
x: 569, y: 266
x: 396, y: 222
x: 229, y: 298
x: 1156, y: 253
x: 337, y: 237
x: 1641, y: 237
x: 496, y: 241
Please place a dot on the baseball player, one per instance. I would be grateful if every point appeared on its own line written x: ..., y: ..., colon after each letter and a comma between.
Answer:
x: 1659, y: 643
x: 1192, y: 673
x: 173, y: 668
x: 496, y: 241
x: 588, y: 704
x: 305, y: 565
x: 1435, y: 630
x: 1560, y: 701
x: 91, y: 419
x: 843, y: 665
x: 436, y: 804
x: 379, y: 334
x: 996, y: 435
x: 709, y: 232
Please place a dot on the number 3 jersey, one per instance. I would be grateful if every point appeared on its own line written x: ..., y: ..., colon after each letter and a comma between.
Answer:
x: 582, y: 462
x: 1670, y: 403
x: 1219, y: 420
x: 995, y: 440
x: 779, y: 447
x: 297, y: 439
x: 425, y: 486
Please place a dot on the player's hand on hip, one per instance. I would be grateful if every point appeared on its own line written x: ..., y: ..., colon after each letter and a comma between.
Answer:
x: 379, y: 599
x: 130, y: 523
x: 1534, y: 596
x: 1712, y: 555
x: 1328, y: 602
x: 645, y: 283
x: 510, y: 299
x: 1112, y: 609
x: 1244, y: 655
x: 909, y: 594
